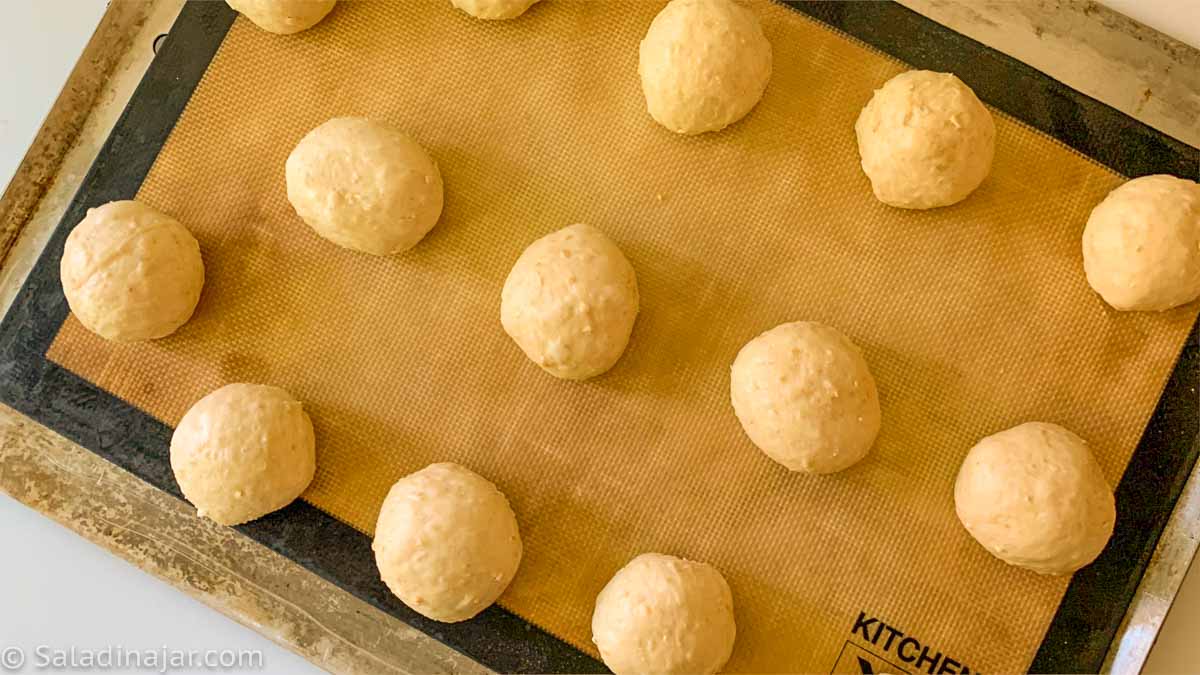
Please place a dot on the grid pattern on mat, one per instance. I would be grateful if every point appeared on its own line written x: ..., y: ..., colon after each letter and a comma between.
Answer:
x: 973, y: 318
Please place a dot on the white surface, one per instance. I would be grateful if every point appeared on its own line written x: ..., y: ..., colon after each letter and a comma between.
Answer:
x: 59, y: 589
x: 1178, y: 18
x: 39, y: 43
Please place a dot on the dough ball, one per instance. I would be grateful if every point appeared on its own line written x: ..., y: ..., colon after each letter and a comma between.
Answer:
x: 1141, y: 246
x: 1034, y: 496
x: 805, y: 397
x: 570, y: 301
x: 283, y: 16
x: 364, y: 186
x: 243, y: 451
x: 662, y: 614
x: 494, y: 9
x: 704, y: 64
x: 446, y: 542
x: 131, y: 272
x: 925, y: 140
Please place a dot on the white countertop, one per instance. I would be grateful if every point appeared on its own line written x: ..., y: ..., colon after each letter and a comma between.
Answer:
x: 59, y: 590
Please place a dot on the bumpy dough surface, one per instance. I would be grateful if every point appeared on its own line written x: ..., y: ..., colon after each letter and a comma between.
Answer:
x: 446, y: 542
x: 364, y: 185
x: 1141, y: 246
x: 494, y: 9
x: 704, y: 64
x: 1035, y: 497
x: 804, y: 395
x: 243, y: 451
x: 662, y: 614
x: 570, y: 302
x: 925, y: 140
x: 283, y: 16
x: 131, y: 272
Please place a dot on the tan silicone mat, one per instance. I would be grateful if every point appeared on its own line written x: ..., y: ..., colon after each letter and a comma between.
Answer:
x: 973, y: 318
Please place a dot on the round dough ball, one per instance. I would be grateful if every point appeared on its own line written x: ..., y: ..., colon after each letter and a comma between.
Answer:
x: 570, y: 302
x: 805, y: 397
x: 283, y: 16
x: 243, y: 451
x: 925, y: 140
x: 1034, y: 496
x: 131, y: 272
x: 494, y: 9
x: 446, y: 542
x: 704, y: 64
x: 364, y: 186
x: 662, y: 614
x: 1141, y: 246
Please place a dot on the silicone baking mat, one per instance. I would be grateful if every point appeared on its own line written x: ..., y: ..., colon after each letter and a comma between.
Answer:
x: 973, y: 318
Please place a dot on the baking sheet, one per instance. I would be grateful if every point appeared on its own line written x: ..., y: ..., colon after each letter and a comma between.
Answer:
x: 972, y: 318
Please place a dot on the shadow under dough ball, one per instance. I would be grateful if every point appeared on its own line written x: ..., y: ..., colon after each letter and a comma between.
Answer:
x: 131, y: 272
x: 494, y: 10
x: 570, y: 302
x: 805, y: 397
x: 283, y: 16
x: 1141, y: 246
x: 446, y: 542
x: 662, y: 614
x: 364, y: 185
x: 704, y: 64
x: 243, y: 451
x: 1034, y: 497
x: 925, y: 140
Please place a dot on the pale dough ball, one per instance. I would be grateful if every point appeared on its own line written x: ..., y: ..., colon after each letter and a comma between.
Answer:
x: 662, y: 614
x: 805, y: 397
x: 283, y: 16
x: 494, y: 9
x: 925, y: 140
x: 446, y: 542
x: 1034, y: 496
x: 131, y: 272
x: 243, y: 451
x: 1141, y: 246
x: 364, y: 185
x: 570, y: 302
x: 704, y: 64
